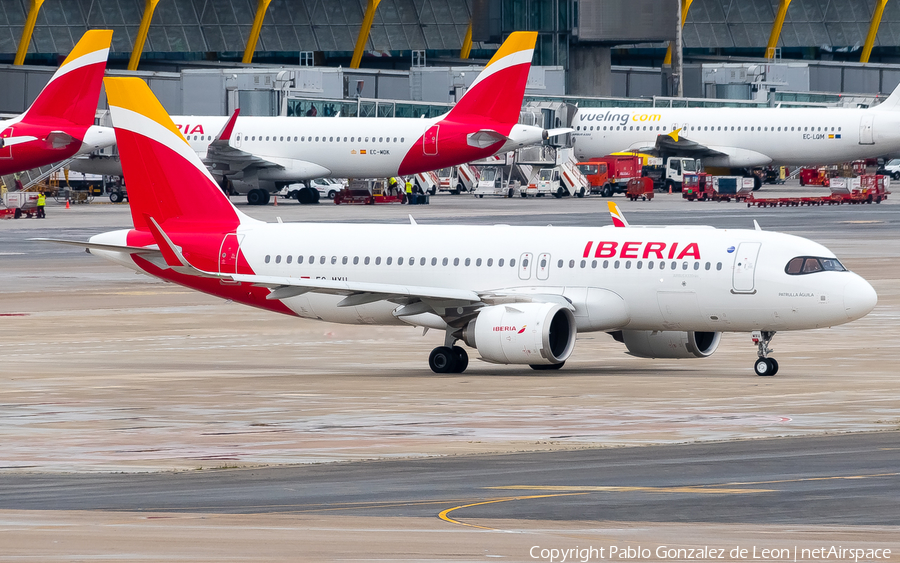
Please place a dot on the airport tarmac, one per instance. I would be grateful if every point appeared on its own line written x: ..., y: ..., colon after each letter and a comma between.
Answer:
x: 107, y: 371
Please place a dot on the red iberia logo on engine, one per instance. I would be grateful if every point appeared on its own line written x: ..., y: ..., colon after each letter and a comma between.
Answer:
x: 510, y: 329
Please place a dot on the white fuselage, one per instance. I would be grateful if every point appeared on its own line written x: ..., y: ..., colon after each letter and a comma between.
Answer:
x: 314, y: 147
x: 747, y: 137
x: 667, y: 278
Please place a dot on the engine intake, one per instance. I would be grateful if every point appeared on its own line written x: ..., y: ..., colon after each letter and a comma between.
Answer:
x: 522, y: 333
x: 669, y: 344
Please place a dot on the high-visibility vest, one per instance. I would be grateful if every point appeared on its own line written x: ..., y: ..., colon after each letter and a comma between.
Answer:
x: 42, y: 199
x: 408, y: 187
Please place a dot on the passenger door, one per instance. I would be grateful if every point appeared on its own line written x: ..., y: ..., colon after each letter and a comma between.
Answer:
x: 745, y: 267
x: 525, y: 266
x: 430, y: 141
x: 866, y: 132
x: 228, y: 254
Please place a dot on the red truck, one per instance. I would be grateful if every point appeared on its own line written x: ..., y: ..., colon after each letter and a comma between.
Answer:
x: 610, y: 174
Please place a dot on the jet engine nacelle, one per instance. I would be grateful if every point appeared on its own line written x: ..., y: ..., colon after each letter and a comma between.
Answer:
x: 670, y: 344
x: 522, y: 333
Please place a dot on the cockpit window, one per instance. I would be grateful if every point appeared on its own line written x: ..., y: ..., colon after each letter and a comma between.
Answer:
x: 811, y: 264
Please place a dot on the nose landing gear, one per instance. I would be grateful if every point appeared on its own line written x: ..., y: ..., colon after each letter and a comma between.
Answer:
x: 764, y: 366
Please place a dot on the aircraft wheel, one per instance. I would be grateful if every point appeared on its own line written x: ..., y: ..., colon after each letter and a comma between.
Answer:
x: 547, y: 367
x: 460, y: 359
x: 266, y: 197
x: 255, y: 197
x: 765, y: 367
x: 442, y: 360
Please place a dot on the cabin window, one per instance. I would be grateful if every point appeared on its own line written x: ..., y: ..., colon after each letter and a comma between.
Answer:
x: 455, y: 261
x: 422, y: 261
x: 399, y: 261
x: 684, y: 266
x: 696, y: 265
x: 344, y: 260
x: 300, y: 259
x: 662, y: 265
x: 639, y: 264
x: 583, y: 263
x: 605, y: 264
x: 559, y: 264
x: 401, y: 139
x: 616, y: 264
x: 356, y: 260
x: 708, y: 265
x: 468, y: 261
x: 433, y: 261
x: 268, y: 258
x: 500, y: 262
x: 650, y: 265
x: 594, y: 264
x: 512, y: 262
x: 478, y: 262
x: 444, y: 262
x: 490, y: 262
x: 571, y: 263
x: 674, y: 265
x: 718, y: 266
x: 628, y: 264
x: 288, y: 258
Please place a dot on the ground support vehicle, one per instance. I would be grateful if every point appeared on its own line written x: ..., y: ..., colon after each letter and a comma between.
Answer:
x: 815, y: 176
x: 640, y: 188
x: 891, y: 168
x: 869, y: 188
x: 370, y: 192
x: 456, y: 179
x: 491, y: 182
x: 426, y: 182
x: 620, y: 169
x: 669, y: 175
x: 21, y: 203
x: 703, y: 187
x: 548, y: 182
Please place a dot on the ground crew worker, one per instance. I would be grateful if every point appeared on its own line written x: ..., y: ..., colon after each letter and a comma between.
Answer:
x: 42, y: 199
x: 409, y: 192
x: 392, y: 186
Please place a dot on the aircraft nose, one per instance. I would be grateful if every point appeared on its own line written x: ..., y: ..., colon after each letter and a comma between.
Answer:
x: 859, y: 298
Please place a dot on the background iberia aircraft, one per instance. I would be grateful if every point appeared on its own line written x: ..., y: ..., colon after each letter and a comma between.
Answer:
x: 60, y: 122
x: 520, y: 299
x: 258, y: 155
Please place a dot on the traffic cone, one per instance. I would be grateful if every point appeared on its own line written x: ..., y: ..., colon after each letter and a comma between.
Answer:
x: 276, y: 201
x: 67, y: 203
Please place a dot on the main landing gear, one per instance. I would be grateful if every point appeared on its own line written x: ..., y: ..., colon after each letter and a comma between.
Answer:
x: 764, y: 366
x: 448, y: 358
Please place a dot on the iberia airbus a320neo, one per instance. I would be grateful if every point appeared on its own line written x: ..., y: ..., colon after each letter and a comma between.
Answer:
x: 258, y: 155
x: 516, y: 295
x: 60, y: 122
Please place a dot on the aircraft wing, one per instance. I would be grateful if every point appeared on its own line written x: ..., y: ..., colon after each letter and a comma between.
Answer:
x: 224, y: 158
x: 678, y: 145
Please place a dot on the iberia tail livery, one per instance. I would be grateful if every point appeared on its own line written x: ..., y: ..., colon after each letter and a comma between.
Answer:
x: 60, y: 122
x: 663, y: 292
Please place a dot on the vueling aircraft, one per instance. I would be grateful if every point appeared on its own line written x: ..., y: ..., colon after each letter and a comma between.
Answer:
x: 60, y: 122
x: 258, y: 155
x: 516, y: 295
x: 743, y: 137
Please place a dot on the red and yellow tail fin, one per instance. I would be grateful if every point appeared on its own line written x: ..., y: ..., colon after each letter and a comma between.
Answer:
x: 496, y: 93
x: 618, y: 218
x: 166, y: 179
x: 74, y: 89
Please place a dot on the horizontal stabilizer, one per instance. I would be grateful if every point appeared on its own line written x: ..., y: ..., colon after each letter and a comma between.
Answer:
x: 485, y: 138
x: 108, y: 247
